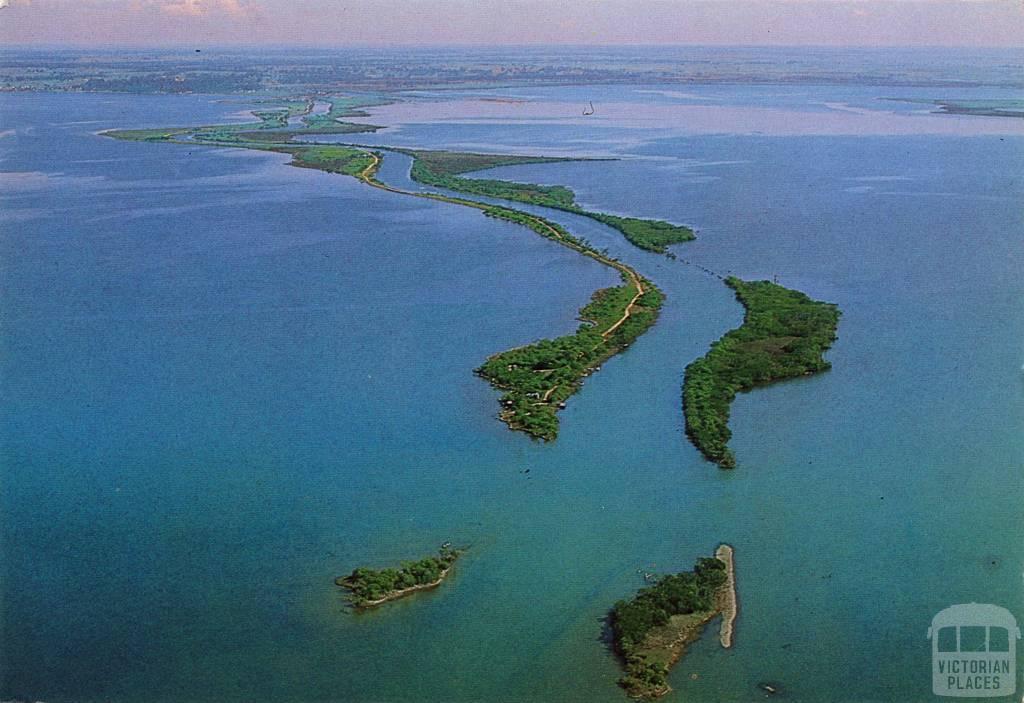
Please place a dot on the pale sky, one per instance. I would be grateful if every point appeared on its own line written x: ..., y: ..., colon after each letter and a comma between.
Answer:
x: 512, y: 22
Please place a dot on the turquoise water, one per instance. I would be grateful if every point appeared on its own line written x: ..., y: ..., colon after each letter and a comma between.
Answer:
x: 227, y: 381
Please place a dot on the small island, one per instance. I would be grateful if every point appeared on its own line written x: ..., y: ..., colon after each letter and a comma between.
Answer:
x: 652, y: 631
x: 784, y: 335
x: 982, y: 108
x: 369, y: 587
x: 979, y: 108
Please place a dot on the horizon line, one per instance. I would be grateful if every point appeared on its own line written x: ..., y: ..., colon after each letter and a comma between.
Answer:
x: 481, y: 45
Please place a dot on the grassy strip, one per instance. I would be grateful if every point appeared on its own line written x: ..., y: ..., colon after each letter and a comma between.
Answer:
x: 651, y: 631
x: 783, y: 335
x: 268, y: 119
x: 275, y: 119
x: 538, y: 378
x: 652, y: 235
x: 981, y: 108
x: 441, y: 169
x: 159, y: 134
x: 370, y: 587
x: 333, y: 159
x: 272, y: 119
x: 450, y: 163
x: 327, y: 123
x: 332, y: 127
x: 341, y: 107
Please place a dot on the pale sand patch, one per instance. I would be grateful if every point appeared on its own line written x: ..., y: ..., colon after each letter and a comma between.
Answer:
x: 727, y: 604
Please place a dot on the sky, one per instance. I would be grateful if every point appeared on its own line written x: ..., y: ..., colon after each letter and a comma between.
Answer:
x: 966, y: 23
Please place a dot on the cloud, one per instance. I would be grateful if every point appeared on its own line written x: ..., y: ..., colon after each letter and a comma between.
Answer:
x: 185, y: 8
x: 203, y: 8
x: 514, y: 22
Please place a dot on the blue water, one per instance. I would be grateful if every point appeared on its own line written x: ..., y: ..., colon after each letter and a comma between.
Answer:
x: 226, y: 381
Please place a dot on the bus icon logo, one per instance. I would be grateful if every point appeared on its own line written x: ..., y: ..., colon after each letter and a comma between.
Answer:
x: 974, y: 651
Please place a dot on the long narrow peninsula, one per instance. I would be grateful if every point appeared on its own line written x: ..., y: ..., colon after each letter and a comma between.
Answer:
x: 784, y: 335
x: 652, y: 630
x: 538, y: 378
x: 369, y: 588
x: 443, y: 169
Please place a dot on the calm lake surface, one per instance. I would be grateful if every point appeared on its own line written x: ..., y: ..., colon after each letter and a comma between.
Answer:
x: 227, y: 381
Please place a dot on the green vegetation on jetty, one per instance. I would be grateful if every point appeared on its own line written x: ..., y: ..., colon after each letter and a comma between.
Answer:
x: 272, y: 119
x: 272, y: 127
x: 651, y: 631
x: 159, y: 134
x: 783, y: 335
x: 652, y: 235
x: 442, y: 168
x: 450, y: 163
x: 370, y: 587
x: 980, y: 108
x: 538, y: 378
x: 332, y: 122
x: 333, y: 159
x: 268, y: 119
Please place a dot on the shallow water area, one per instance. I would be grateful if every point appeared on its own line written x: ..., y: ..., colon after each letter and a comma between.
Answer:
x: 229, y: 381
x: 709, y: 110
